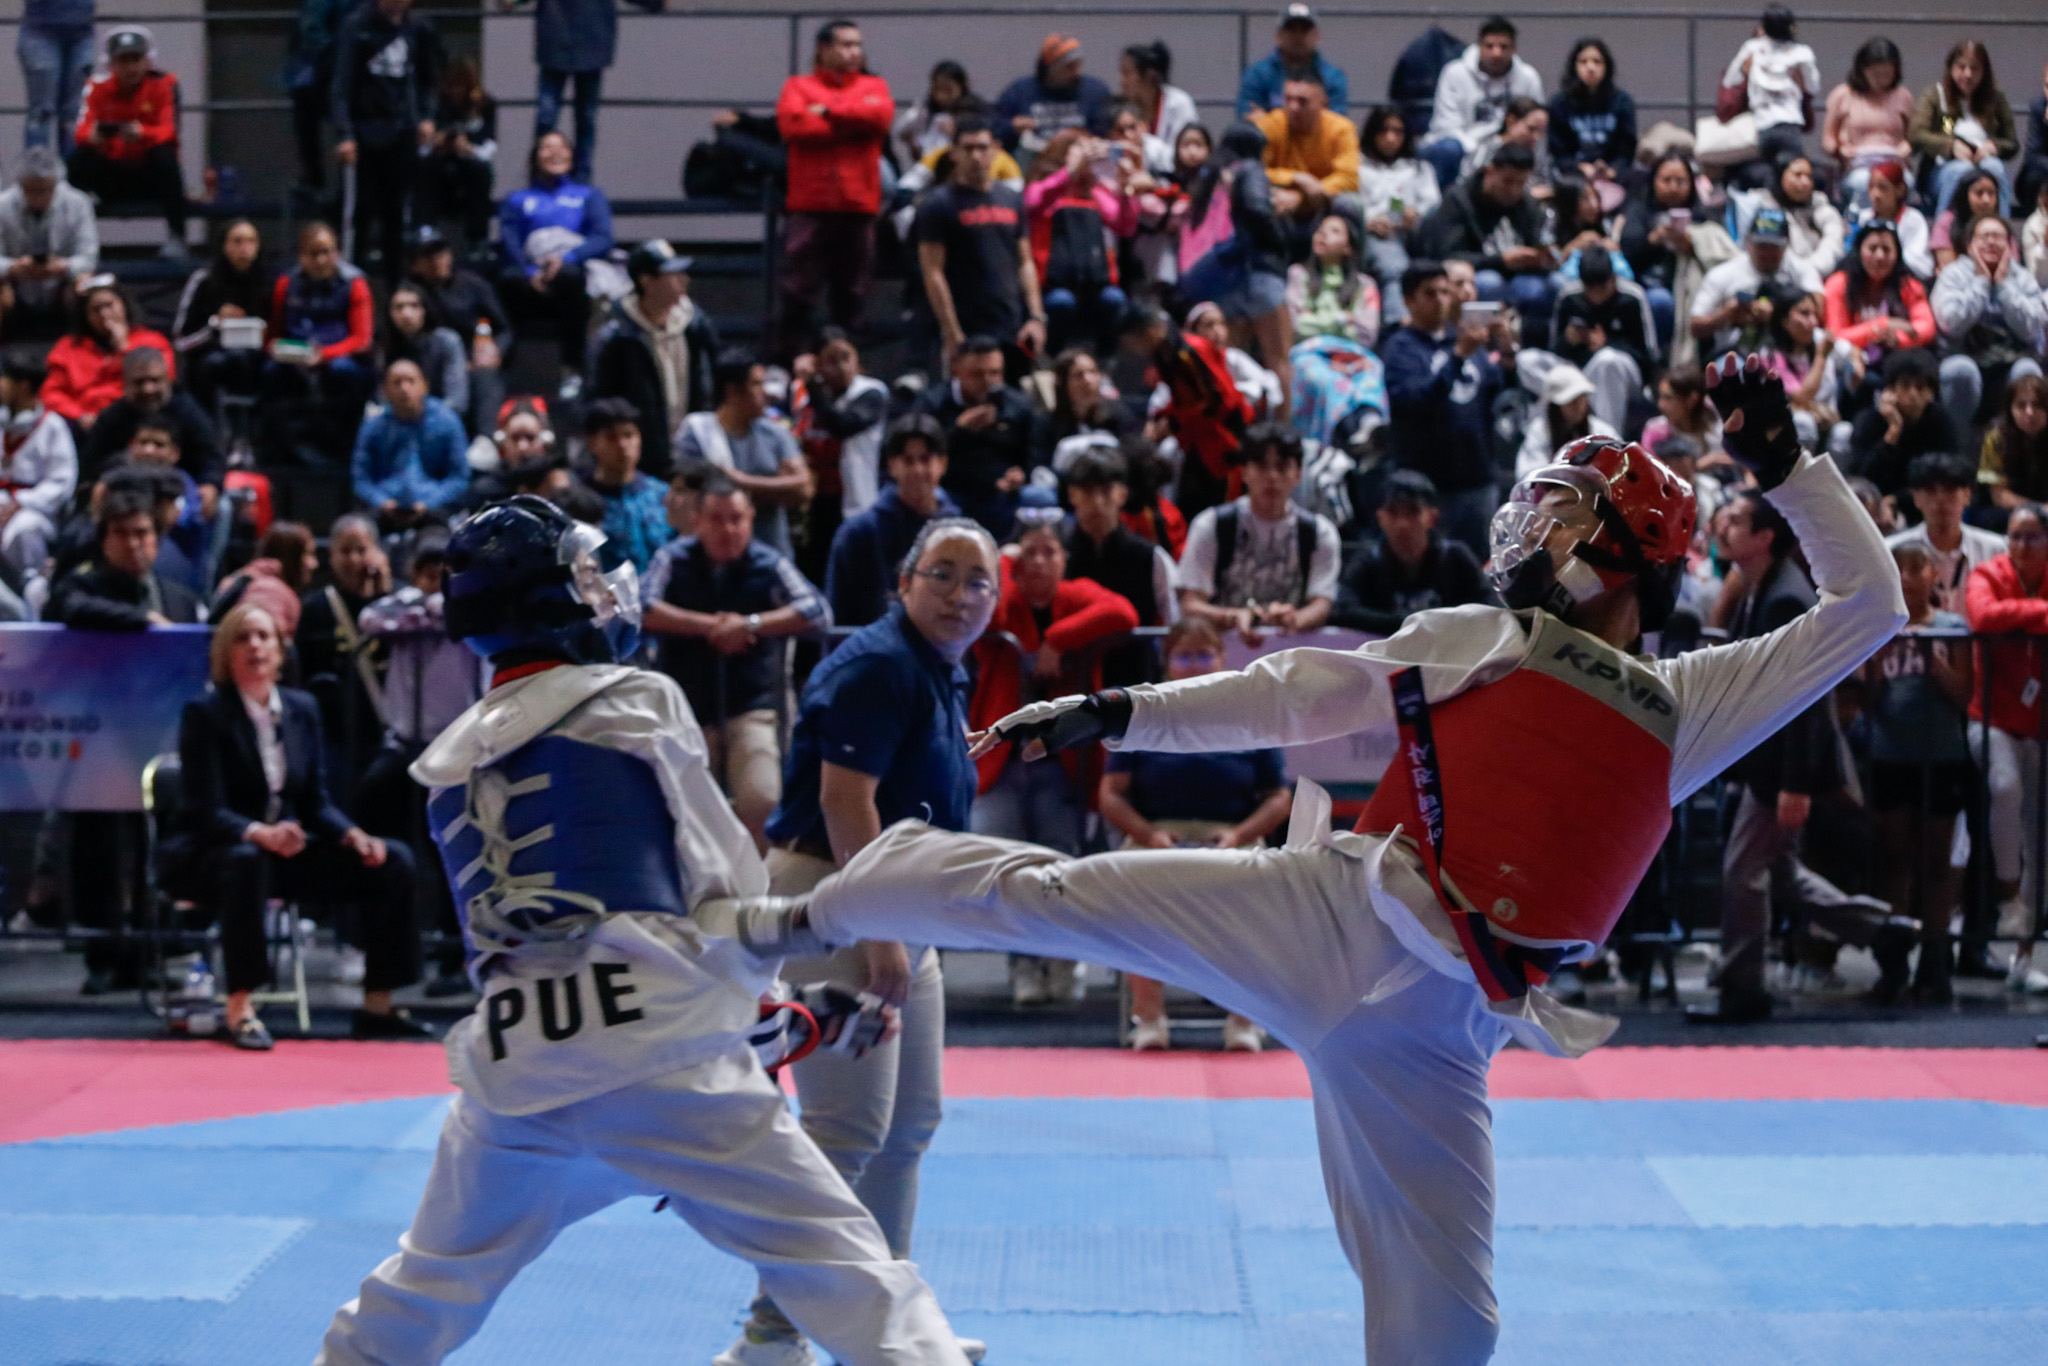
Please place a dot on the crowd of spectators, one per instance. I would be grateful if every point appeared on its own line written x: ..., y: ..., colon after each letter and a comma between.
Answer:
x: 1240, y: 382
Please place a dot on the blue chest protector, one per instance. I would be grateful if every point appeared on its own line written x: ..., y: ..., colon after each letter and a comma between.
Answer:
x: 552, y: 837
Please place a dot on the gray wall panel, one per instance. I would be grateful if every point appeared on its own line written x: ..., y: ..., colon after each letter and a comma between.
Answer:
x: 743, y: 60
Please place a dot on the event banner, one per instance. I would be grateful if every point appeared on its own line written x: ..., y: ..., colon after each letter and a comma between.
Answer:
x: 82, y: 711
x: 1350, y: 762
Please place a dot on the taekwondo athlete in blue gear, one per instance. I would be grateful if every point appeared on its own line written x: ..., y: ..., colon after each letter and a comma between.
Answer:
x: 611, y: 1053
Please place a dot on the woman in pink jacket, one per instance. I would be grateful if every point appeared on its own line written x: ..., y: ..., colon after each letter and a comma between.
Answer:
x: 1077, y: 215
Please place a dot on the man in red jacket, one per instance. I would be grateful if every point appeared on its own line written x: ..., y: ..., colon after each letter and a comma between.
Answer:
x: 128, y: 134
x: 834, y: 122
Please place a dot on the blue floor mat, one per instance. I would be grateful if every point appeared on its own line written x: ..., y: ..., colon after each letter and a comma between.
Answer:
x: 1133, y: 1232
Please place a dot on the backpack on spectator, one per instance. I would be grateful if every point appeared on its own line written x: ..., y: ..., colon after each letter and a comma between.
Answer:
x: 1212, y: 257
x: 741, y: 161
x: 1411, y: 87
x: 1077, y: 257
x: 1226, y: 545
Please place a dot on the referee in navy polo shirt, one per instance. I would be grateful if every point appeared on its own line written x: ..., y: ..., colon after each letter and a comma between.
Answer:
x: 881, y: 736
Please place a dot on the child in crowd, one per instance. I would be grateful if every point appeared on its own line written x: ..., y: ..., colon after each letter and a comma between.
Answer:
x: 1170, y: 801
x: 1397, y: 189
x: 636, y: 520
x: 184, y: 553
x: 1920, y: 774
x: 38, y: 474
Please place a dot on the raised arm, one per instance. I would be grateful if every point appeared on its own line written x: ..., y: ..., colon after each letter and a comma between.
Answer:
x: 1733, y: 696
x: 1295, y: 697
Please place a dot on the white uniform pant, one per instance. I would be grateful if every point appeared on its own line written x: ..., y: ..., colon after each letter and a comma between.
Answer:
x: 1398, y: 1053
x: 719, y: 1142
x: 25, y: 541
x: 2013, y: 776
x: 874, y: 1116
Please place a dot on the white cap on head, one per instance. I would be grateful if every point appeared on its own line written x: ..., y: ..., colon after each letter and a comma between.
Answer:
x: 1565, y: 383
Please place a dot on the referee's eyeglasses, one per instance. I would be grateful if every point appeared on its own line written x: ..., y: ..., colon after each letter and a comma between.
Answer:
x: 947, y: 582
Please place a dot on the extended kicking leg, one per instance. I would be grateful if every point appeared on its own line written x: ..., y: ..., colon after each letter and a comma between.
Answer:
x: 1274, y: 934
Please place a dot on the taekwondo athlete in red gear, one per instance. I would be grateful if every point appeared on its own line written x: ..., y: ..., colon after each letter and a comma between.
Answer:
x: 610, y: 1055
x: 1539, y: 763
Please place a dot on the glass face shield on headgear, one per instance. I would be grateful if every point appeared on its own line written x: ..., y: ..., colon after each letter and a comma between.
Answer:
x: 527, y: 584
x: 1531, y: 544
x: 613, y: 596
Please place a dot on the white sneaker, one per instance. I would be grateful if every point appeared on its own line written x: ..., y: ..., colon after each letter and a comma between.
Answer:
x: 774, y: 1352
x: 2015, y: 919
x: 1027, y: 982
x: 1151, y: 1036
x: 974, y: 1349
x: 1242, y: 1036
x: 349, y: 967
x: 1064, y: 981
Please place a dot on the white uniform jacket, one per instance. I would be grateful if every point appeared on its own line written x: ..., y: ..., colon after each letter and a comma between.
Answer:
x: 1729, y: 698
x: 39, y: 467
x: 587, y: 986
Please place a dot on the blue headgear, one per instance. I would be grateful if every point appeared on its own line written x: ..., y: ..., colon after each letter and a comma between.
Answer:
x: 524, y: 581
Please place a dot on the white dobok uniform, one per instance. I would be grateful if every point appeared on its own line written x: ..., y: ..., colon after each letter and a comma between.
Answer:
x: 1337, y: 943
x: 579, y: 822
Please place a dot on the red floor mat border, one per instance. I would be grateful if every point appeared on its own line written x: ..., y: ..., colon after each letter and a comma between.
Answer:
x: 53, y: 1088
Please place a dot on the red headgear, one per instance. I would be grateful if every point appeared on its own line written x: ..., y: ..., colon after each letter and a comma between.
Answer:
x: 1644, y: 516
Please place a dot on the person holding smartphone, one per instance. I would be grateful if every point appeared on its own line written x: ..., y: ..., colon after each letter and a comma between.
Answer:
x: 128, y: 133
x: 48, y: 239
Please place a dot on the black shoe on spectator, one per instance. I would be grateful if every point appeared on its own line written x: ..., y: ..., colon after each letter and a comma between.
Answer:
x: 366, y: 1024
x: 251, y: 1036
x: 1893, y: 949
x: 1734, y: 1007
x: 97, y: 984
x: 1977, y: 963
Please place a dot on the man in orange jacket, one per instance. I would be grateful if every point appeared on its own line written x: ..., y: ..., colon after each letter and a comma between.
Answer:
x: 127, y: 137
x: 834, y: 122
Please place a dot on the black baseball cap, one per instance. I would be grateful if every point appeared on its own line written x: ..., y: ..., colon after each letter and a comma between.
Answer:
x: 1298, y: 14
x: 428, y: 239
x: 656, y: 257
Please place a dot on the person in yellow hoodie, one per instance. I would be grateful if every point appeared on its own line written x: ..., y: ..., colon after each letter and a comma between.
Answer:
x: 1311, y: 154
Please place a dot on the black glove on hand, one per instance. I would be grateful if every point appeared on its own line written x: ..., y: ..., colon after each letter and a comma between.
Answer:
x: 1756, y: 421
x: 1045, y: 727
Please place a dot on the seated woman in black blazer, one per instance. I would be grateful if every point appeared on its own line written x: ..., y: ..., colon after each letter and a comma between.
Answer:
x: 260, y: 824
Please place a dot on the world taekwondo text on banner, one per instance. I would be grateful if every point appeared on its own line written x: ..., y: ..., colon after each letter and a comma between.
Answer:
x: 81, y: 712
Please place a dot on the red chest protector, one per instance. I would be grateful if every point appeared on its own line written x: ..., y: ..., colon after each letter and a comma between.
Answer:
x: 1538, y: 801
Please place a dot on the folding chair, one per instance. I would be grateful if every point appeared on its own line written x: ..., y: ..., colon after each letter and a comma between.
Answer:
x: 163, y: 794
